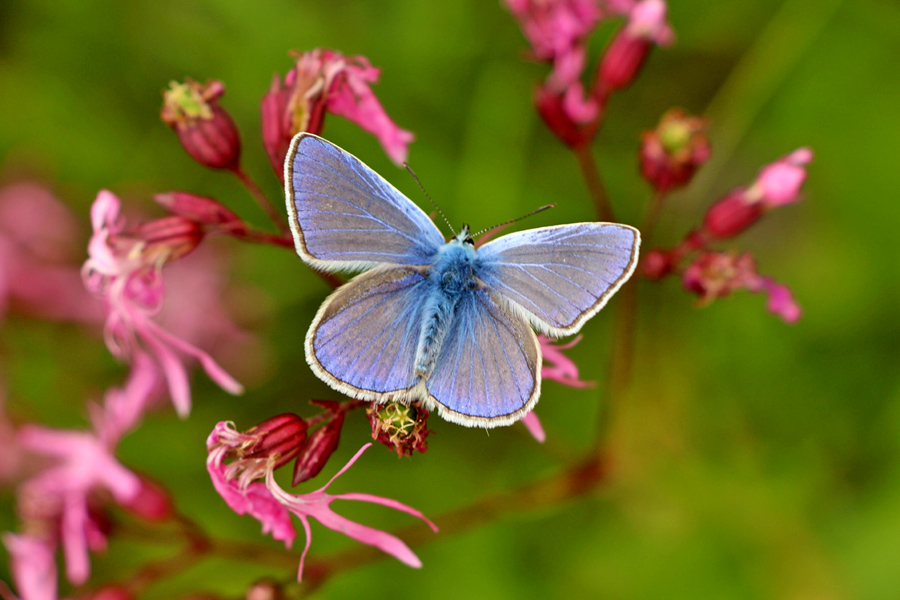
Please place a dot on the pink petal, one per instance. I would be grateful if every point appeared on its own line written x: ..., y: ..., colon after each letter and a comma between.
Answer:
x: 390, y: 503
x: 75, y: 548
x: 534, y: 426
x: 33, y: 566
x: 367, y: 535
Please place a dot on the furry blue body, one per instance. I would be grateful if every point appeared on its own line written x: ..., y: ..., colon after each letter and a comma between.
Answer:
x: 451, y: 277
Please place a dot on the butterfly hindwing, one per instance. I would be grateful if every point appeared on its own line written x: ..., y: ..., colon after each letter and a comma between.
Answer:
x: 363, y: 340
x: 344, y: 216
x: 488, y: 371
x: 560, y: 276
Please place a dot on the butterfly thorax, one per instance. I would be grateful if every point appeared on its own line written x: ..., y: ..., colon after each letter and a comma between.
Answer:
x: 450, y: 278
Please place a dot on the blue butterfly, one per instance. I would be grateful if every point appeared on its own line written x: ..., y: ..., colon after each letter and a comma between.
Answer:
x: 435, y: 321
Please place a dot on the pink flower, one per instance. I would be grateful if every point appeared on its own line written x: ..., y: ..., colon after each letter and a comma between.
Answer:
x: 716, y: 274
x: 559, y: 367
x: 33, y: 566
x: 84, y: 464
x: 671, y: 153
x: 272, y: 506
x: 326, y: 81
x: 38, y: 272
x: 124, y: 268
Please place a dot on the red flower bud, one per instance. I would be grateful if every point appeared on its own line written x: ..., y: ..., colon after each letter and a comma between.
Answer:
x: 628, y: 50
x: 657, y: 264
x: 552, y: 108
x: 732, y: 214
x: 205, y: 130
x: 200, y: 209
x: 169, y: 237
x: 322, y: 443
x: 671, y: 153
x: 280, y: 438
x: 152, y: 502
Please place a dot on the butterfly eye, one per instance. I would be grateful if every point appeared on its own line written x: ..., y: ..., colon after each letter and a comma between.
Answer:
x: 470, y: 241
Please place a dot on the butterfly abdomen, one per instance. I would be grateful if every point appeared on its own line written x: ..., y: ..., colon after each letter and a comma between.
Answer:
x: 448, y: 280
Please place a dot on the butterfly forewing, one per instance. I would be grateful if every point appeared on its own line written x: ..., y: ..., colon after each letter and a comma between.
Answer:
x: 488, y: 371
x: 363, y: 339
x: 346, y: 216
x: 560, y: 276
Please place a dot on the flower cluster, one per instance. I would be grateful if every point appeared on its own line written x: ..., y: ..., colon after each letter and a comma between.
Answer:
x: 558, y: 31
x: 258, y: 452
x: 710, y: 273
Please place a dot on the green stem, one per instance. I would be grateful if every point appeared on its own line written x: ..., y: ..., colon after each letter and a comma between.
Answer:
x: 261, y: 199
x: 594, y: 182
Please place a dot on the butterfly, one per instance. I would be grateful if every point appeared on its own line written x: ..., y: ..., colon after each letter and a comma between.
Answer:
x: 431, y: 320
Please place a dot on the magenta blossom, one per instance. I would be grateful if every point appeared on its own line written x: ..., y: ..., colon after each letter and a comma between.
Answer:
x: 716, y: 274
x: 559, y: 367
x: 779, y: 183
x: 323, y: 81
x: 272, y: 506
x: 124, y: 268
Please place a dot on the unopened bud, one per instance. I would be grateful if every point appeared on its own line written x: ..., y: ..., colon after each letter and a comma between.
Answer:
x: 628, y: 50
x: 656, y: 264
x: 200, y: 209
x: 205, y: 130
x: 152, y: 502
x: 168, y: 238
x: 322, y: 443
x: 732, y: 214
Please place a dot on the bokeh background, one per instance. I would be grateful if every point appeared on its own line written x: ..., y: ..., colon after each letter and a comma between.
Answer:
x: 751, y: 458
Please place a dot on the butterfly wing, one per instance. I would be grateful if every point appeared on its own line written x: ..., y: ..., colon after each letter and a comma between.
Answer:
x: 344, y: 216
x: 363, y: 340
x: 488, y: 372
x: 559, y: 277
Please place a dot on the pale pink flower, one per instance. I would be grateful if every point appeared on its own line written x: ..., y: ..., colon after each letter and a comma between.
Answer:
x: 124, y: 268
x: 559, y: 367
x: 38, y: 272
x: 272, y: 506
x: 323, y: 81
x: 84, y: 464
x: 33, y: 566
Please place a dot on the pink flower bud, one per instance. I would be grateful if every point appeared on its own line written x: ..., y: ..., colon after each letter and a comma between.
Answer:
x: 322, y: 443
x: 152, y: 502
x: 731, y: 215
x: 628, y: 50
x: 657, y: 264
x: 205, y: 130
x: 401, y: 427
x: 168, y: 238
x: 780, y: 182
x: 671, y: 153
x: 200, y: 209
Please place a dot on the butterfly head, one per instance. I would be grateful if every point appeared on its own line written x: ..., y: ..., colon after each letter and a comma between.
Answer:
x: 465, y: 235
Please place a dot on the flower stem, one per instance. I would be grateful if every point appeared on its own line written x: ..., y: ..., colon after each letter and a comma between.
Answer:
x: 594, y: 182
x: 579, y: 479
x: 261, y: 198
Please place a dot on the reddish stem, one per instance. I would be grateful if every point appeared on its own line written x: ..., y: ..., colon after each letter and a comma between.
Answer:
x: 261, y: 198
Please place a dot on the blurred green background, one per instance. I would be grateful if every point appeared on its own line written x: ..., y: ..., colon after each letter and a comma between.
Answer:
x: 751, y: 459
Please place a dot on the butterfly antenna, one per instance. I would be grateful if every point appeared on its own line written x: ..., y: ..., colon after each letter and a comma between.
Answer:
x: 433, y: 203
x: 532, y: 213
